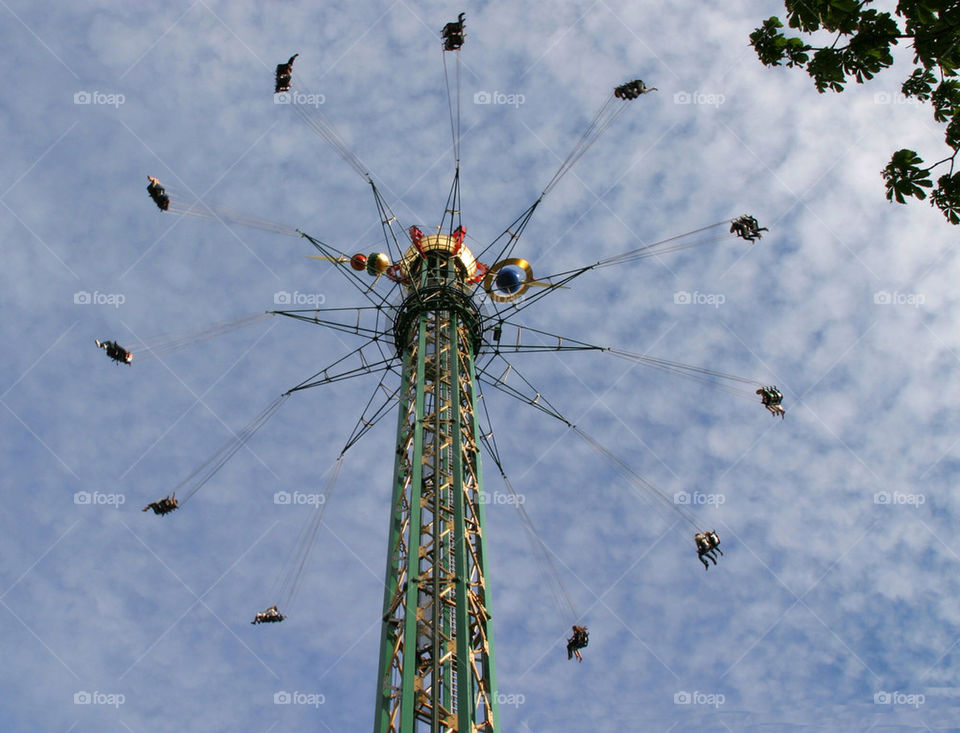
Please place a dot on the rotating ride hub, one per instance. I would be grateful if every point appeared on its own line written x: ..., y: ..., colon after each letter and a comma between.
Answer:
x: 439, y: 275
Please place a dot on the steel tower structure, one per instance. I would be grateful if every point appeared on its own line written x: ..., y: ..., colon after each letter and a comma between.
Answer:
x: 436, y: 669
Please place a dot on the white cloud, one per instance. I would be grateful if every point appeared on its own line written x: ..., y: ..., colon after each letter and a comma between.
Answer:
x: 868, y: 386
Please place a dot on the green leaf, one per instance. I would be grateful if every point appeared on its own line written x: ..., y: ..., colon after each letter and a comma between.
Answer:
x: 946, y: 197
x: 769, y: 42
x: 946, y: 100
x: 826, y: 68
x: 862, y: 47
x: 805, y: 14
x: 904, y: 177
x: 919, y: 84
x: 952, y: 135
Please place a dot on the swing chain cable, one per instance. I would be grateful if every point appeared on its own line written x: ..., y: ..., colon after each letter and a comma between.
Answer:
x: 722, y: 380
x: 597, y: 126
x: 657, y: 248
x: 453, y: 107
x: 196, y: 480
x: 199, y: 209
x: 326, y: 131
x: 542, y: 554
x: 166, y: 343
x: 634, y: 479
x: 608, y: 113
x: 454, y: 117
x: 327, y: 251
x: 387, y: 217
x: 288, y: 581
x: 654, y: 249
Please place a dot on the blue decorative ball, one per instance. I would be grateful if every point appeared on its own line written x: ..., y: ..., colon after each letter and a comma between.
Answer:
x: 510, y: 279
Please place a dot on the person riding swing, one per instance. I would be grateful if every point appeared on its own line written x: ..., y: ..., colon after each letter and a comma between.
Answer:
x: 158, y: 194
x: 163, y: 506
x: 771, y: 397
x: 632, y: 89
x: 577, y: 641
x: 271, y: 616
x: 747, y: 227
x: 115, y: 351
x: 453, y: 34
x: 284, y: 76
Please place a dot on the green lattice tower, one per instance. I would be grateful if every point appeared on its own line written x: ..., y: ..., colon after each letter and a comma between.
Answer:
x: 436, y: 651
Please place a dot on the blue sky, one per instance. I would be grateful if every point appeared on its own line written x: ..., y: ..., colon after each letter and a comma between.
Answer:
x: 832, y: 609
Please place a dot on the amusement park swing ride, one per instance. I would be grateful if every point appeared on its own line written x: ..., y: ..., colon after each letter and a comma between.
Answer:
x: 438, y: 324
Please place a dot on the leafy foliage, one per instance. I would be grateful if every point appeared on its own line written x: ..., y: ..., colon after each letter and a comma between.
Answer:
x: 905, y: 177
x: 947, y: 197
x: 933, y: 29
